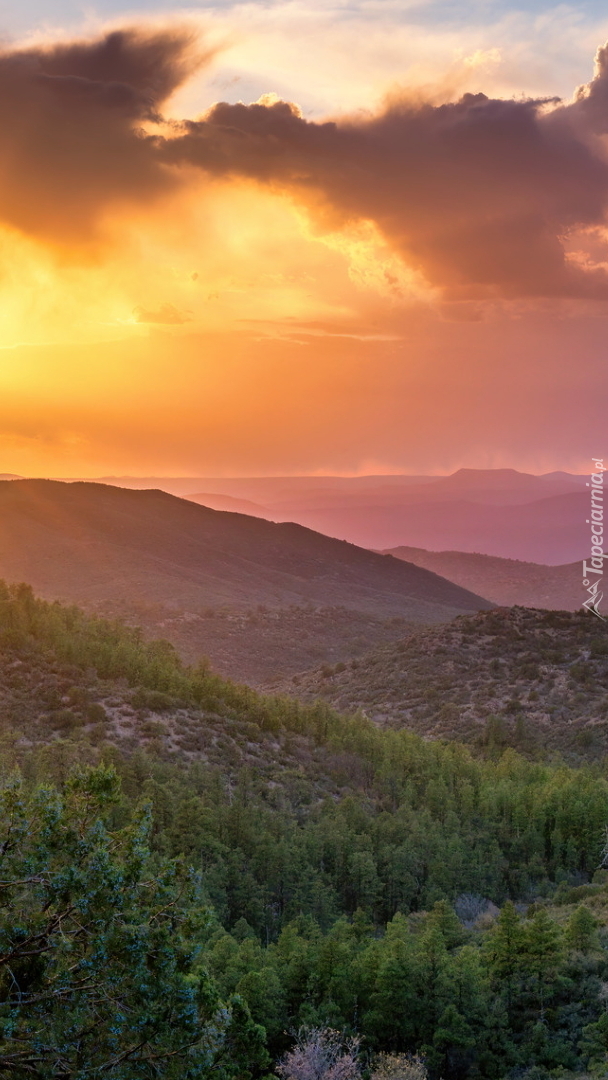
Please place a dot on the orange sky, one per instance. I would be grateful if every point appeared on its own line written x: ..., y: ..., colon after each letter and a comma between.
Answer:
x: 416, y: 287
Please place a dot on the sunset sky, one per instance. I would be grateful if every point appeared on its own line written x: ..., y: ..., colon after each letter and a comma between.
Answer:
x: 289, y: 237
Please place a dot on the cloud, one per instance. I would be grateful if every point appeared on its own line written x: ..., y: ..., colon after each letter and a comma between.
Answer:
x: 481, y: 198
x: 167, y: 314
x: 477, y: 194
x: 71, y: 121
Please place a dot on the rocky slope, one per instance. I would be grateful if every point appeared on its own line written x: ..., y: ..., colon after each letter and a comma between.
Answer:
x: 534, y: 680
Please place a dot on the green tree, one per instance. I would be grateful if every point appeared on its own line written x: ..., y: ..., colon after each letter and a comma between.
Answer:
x: 394, y: 1004
x: 594, y: 1045
x: 503, y: 949
x: 542, y: 954
x: 581, y: 931
x: 444, y: 918
x: 264, y: 995
x: 453, y: 1043
x: 97, y: 948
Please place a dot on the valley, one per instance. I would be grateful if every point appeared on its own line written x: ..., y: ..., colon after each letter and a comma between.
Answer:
x: 359, y: 779
x: 348, y: 870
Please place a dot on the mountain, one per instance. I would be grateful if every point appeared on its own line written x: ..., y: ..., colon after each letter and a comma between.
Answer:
x: 501, y: 512
x: 259, y: 488
x: 550, y: 530
x: 535, y: 680
x: 323, y: 866
x: 298, y: 493
x: 500, y: 486
x: 507, y: 582
x: 229, y: 502
x: 184, y: 570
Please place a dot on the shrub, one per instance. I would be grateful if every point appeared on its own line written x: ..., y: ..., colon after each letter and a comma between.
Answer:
x: 65, y: 720
x: 153, y: 701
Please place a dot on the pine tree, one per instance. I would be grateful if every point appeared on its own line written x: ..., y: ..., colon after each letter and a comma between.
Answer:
x: 98, y: 949
x: 542, y: 953
x: 581, y: 931
x: 453, y: 1043
x: 594, y: 1045
x: 504, y: 951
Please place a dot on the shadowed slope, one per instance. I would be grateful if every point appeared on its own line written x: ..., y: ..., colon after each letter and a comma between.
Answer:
x: 86, y: 540
x: 176, y: 566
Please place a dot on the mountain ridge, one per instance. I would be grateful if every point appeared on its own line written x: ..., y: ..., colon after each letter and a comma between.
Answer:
x: 506, y: 582
x: 130, y: 552
x: 501, y: 512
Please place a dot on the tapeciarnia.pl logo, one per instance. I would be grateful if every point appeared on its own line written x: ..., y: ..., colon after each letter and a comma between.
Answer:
x: 594, y: 569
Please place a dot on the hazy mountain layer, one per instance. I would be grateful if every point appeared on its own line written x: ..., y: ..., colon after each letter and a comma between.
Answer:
x: 550, y: 530
x: 499, y: 512
x: 505, y: 581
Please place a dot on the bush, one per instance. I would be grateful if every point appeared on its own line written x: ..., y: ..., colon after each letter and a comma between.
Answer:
x: 398, y: 1067
x: 321, y: 1054
x: 95, y: 713
x: 65, y: 720
x: 153, y: 701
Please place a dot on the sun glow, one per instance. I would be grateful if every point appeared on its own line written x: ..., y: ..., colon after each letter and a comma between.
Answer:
x: 254, y: 288
x: 223, y: 255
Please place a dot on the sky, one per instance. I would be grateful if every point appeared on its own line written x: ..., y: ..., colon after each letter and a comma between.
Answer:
x: 286, y: 237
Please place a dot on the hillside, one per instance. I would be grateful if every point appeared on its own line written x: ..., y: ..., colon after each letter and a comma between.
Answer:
x: 507, y: 582
x: 534, y: 680
x: 183, y: 569
x: 330, y: 871
x: 257, y: 644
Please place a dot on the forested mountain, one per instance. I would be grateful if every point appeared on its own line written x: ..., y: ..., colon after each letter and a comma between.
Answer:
x: 344, y: 876
x: 216, y: 583
x: 535, y: 680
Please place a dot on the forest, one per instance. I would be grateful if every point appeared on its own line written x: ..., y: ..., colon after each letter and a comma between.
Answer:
x: 166, y: 915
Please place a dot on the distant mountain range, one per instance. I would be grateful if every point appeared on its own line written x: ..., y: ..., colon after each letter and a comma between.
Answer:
x: 255, y: 596
x: 504, y: 581
x: 498, y: 512
x: 550, y: 530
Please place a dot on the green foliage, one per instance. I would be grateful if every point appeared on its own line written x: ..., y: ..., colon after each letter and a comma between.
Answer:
x: 581, y: 931
x: 594, y: 1045
x: 247, y: 902
x: 400, y: 824
x: 97, y: 948
x: 511, y: 997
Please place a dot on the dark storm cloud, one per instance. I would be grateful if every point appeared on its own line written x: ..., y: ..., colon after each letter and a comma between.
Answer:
x: 70, y: 116
x: 478, y: 194
x: 483, y: 196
